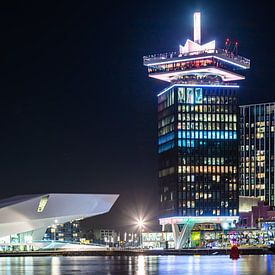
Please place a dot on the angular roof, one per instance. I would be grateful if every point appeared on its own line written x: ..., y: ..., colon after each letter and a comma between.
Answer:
x: 30, y: 212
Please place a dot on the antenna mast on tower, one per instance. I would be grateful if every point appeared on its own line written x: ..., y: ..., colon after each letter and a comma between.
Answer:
x: 197, y: 27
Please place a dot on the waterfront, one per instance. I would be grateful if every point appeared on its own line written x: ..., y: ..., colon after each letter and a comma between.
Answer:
x: 141, y: 265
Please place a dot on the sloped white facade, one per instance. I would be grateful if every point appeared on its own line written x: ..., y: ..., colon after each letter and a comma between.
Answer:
x: 24, y: 213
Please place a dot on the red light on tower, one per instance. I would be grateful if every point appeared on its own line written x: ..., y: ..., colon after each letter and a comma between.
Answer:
x: 236, y: 46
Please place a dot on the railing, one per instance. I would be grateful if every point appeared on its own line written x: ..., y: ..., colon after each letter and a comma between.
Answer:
x: 155, y: 58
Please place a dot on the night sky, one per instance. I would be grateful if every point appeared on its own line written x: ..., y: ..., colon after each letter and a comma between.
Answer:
x: 78, y: 113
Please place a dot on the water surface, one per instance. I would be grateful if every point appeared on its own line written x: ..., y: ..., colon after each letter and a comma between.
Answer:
x: 141, y: 265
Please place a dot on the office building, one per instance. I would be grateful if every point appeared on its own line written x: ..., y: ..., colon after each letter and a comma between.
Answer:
x: 198, y: 121
x: 257, y: 151
x: 67, y: 232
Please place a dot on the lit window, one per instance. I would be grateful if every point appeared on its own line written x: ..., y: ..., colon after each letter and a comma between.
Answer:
x: 43, y: 202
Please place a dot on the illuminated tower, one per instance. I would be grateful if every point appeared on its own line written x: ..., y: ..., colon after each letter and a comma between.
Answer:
x: 198, y: 120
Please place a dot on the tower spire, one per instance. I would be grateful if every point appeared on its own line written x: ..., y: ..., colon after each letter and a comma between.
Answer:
x: 197, y: 27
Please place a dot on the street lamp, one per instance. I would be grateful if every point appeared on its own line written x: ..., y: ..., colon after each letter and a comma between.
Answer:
x: 53, y: 231
x: 140, y: 224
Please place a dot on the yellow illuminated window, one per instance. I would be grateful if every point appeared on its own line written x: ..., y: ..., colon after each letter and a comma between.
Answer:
x: 43, y: 202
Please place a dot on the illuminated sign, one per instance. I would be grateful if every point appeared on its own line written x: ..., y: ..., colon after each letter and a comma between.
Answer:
x: 190, y: 95
x: 198, y: 85
x: 198, y: 95
x: 181, y: 95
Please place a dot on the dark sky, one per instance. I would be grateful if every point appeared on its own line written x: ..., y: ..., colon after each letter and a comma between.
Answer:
x: 78, y: 113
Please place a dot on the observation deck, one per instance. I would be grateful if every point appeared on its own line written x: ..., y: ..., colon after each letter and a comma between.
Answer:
x: 202, y: 65
x: 170, y: 57
x: 198, y: 63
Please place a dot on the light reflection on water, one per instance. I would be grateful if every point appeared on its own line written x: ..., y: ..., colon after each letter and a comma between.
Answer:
x: 140, y: 265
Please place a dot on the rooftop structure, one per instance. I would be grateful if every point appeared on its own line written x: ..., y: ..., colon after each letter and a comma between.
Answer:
x: 196, y: 63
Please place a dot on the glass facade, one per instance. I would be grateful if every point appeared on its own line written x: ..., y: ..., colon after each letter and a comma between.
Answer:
x: 257, y: 151
x: 198, y: 151
x: 69, y: 232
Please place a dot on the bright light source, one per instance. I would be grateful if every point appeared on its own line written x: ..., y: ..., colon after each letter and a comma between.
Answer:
x: 140, y: 223
x: 225, y: 225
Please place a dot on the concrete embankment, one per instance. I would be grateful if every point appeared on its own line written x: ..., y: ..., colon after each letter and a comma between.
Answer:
x: 120, y: 252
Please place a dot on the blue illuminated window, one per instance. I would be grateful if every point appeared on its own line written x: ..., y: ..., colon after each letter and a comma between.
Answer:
x: 165, y: 147
x: 166, y: 138
x: 208, y: 134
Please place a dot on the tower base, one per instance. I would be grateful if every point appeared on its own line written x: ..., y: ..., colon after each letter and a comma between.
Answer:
x: 182, y: 226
